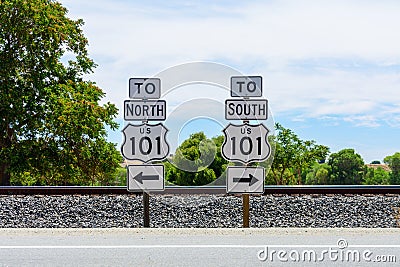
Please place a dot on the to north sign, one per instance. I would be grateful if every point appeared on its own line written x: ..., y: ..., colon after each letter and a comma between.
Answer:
x: 145, y: 142
x: 145, y: 177
x: 245, y: 180
x: 246, y: 143
x: 145, y: 110
x: 246, y: 109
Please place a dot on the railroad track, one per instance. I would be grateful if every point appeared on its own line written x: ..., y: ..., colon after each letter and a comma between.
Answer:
x: 207, y: 190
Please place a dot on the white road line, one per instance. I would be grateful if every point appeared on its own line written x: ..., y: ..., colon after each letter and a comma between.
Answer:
x: 194, y: 246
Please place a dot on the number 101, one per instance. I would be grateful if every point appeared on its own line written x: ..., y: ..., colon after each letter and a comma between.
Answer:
x: 246, y: 145
x: 145, y: 145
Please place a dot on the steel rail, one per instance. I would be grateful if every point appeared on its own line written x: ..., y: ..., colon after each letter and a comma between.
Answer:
x: 206, y: 190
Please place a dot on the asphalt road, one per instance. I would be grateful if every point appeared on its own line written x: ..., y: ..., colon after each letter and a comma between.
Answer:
x: 200, y: 247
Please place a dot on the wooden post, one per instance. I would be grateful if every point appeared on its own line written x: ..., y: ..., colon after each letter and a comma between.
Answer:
x: 146, y: 210
x: 246, y: 210
x: 246, y: 200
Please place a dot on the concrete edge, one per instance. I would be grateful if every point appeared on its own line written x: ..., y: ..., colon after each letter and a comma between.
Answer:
x: 197, y: 231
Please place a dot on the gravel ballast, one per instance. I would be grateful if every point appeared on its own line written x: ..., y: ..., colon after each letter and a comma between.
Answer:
x: 200, y: 211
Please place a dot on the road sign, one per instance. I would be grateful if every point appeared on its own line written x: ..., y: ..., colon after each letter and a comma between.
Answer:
x: 142, y: 110
x: 144, y: 88
x: 256, y: 109
x: 145, y: 177
x: 245, y: 180
x: 246, y: 143
x: 246, y: 86
x: 145, y: 142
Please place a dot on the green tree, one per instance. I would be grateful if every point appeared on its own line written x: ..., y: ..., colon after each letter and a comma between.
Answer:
x: 195, y: 153
x: 99, y: 162
x: 394, y: 163
x: 50, y: 114
x: 293, y: 156
x: 347, y: 167
x: 171, y: 172
x: 219, y: 164
x: 120, y: 176
x: 203, y: 177
x: 308, y: 154
x: 286, y: 145
x: 192, y: 160
x: 319, y: 174
x: 377, y: 176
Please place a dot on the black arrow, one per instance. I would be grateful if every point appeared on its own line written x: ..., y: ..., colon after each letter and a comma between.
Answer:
x: 140, y: 177
x: 251, y: 179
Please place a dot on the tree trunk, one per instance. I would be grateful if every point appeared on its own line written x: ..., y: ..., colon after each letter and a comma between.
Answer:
x: 6, y: 142
x: 5, y: 175
x: 299, y: 176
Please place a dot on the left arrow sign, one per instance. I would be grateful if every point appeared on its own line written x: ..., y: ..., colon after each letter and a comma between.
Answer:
x: 145, y: 177
x: 140, y: 177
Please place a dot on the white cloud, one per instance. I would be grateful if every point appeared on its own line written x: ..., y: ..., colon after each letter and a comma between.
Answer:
x: 271, y: 38
x: 365, y: 121
x: 285, y: 30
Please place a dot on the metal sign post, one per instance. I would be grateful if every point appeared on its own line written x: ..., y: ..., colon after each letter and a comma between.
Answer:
x: 246, y: 210
x: 146, y: 209
x: 246, y: 143
x: 145, y: 142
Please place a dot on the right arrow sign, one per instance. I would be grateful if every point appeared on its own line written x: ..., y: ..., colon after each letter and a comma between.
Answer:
x: 250, y: 180
x: 245, y: 180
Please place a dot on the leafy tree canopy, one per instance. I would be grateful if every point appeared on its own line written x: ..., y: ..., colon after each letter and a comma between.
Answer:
x: 198, y: 160
x: 347, y: 167
x: 376, y: 176
x: 293, y: 155
x: 394, y: 163
x: 51, y: 121
x: 318, y: 174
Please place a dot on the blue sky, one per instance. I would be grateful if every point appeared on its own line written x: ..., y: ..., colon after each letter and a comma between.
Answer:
x: 331, y: 69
